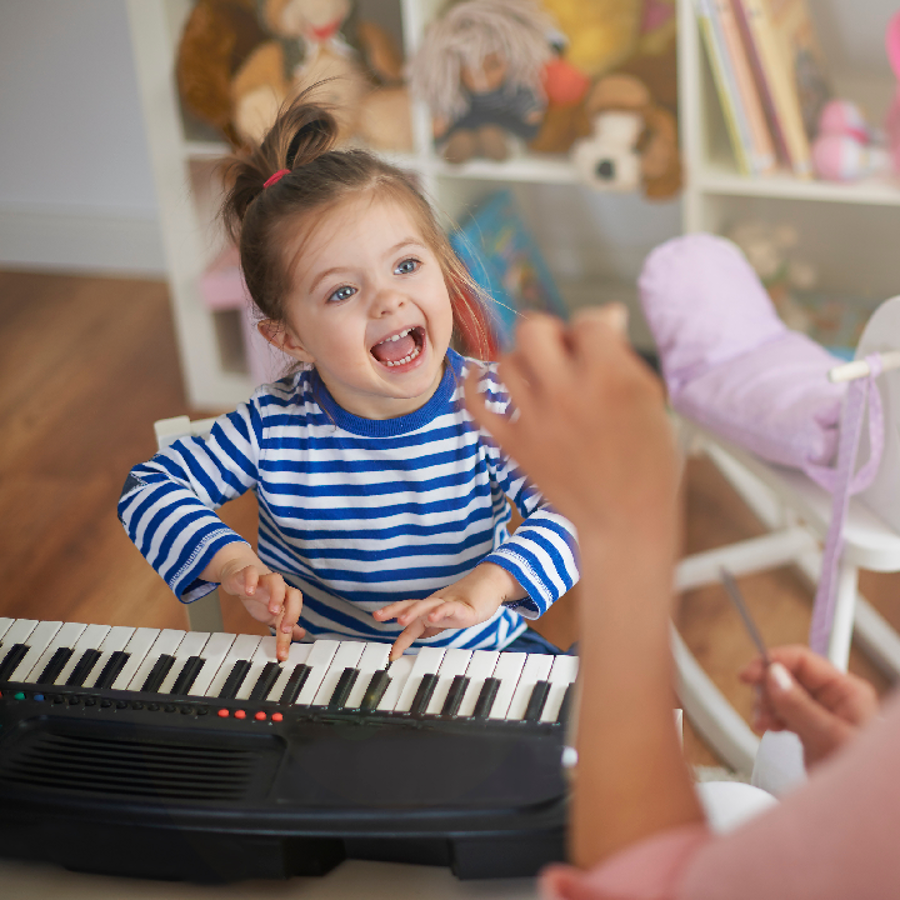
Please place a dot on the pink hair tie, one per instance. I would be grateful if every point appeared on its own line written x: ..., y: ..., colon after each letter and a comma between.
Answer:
x: 276, y: 177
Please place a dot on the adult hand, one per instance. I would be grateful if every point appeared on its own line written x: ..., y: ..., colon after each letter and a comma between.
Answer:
x: 588, y: 427
x: 803, y: 692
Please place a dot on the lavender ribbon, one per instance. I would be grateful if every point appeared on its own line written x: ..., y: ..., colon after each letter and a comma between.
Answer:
x: 843, y: 484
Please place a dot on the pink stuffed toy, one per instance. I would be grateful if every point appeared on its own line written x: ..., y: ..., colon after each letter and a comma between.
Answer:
x: 846, y: 148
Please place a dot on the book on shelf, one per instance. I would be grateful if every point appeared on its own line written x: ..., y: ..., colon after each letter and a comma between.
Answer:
x: 736, y: 120
x: 763, y: 157
x: 779, y: 38
x: 503, y: 258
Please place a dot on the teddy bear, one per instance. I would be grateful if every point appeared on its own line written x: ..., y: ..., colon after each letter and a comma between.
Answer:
x: 479, y: 71
x: 594, y: 37
x: 633, y: 143
x: 296, y: 44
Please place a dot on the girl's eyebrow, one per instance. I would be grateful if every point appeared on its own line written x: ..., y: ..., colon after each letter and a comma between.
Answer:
x: 334, y: 270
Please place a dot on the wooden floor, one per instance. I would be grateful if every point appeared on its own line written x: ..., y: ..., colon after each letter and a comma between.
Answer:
x: 88, y: 364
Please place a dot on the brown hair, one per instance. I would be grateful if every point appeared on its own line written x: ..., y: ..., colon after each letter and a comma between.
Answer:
x: 302, y: 141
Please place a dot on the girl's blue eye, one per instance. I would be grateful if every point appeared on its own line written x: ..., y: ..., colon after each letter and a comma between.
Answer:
x: 342, y: 293
x: 408, y: 266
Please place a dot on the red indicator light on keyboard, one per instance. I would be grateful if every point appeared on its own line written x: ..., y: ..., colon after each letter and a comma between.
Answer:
x: 277, y: 717
x: 240, y: 714
x: 260, y: 716
x: 224, y: 713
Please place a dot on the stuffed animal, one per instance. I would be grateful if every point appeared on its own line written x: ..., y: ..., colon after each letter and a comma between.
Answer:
x: 479, y: 70
x: 217, y: 38
x: 634, y: 140
x: 596, y: 36
x: 846, y: 148
x: 297, y: 44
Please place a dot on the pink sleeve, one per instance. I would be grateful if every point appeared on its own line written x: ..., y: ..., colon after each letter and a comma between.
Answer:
x: 833, y: 838
x: 649, y: 870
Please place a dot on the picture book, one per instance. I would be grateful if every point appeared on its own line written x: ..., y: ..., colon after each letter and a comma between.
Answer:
x: 776, y: 83
x: 795, y: 32
x: 736, y: 120
x: 763, y: 156
x: 503, y: 258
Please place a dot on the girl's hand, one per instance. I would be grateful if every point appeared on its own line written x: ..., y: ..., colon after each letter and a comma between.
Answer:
x: 803, y: 692
x: 472, y: 599
x: 268, y: 598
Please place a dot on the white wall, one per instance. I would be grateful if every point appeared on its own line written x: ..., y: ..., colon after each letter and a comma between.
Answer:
x: 76, y: 188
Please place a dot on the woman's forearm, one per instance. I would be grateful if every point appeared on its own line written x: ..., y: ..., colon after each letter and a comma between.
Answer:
x: 631, y: 780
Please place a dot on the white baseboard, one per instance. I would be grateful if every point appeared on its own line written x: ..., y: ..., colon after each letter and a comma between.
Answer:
x: 72, y: 241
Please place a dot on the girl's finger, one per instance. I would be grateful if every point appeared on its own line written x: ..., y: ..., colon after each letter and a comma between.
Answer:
x: 407, y: 637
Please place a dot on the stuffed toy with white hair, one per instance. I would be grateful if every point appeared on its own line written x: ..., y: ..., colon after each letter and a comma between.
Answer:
x: 479, y: 70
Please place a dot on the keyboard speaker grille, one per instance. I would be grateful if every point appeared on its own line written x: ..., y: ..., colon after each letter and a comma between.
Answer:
x: 141, y: 763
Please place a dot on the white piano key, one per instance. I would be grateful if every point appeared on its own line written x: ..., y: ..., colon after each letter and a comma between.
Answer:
x: 428, y: 661
x: 5, y: 624
x: 91, y: 639
x: 165, y: 644
x: 297, y: 656
x: 455, y: 662
x: 481, y: 666
x: 37, y: 642
x: 214, y: 651
x: 348, y: 654
x: 562, y: 674
x: 507, y: 672
x: 374, y: 657
x: 137, y: 648
x: 192, y: 644
x: 17, y: 633
x: 536, y: 668
x: 264, y: 653
x: 65, y: 638
x: 319, y: 660
x: 399, y: 671
x: 242, y: 648
x: 116, y: 639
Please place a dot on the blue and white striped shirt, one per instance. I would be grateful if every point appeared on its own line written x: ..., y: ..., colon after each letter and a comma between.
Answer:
x: 356, y: 512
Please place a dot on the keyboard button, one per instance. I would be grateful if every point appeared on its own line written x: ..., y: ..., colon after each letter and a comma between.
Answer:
x: 427, y: 662
x: 297, y: 656
x: 319, y: 660
x: 374, y: 659
x: 426, y: 687
x: 241, y: 650
x: 346, y: 655
x: 343, y: 687
x: 486, y: 697
x: 91, y: 639
x: 562, y: 677
x: 375, y: 690
x: 536, y: 701
x: 267, y: 677
x: 164, y: 643
x: 398, y: 671
x: 507, y: 671
x: 537, y: 668
x: 64, y: 639
x: 480, y: 666
x: 454, y: 662
x: 234, y: 680
x: 454, y: 696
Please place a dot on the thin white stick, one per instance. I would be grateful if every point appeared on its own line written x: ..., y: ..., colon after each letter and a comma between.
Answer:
x: 859, y: 368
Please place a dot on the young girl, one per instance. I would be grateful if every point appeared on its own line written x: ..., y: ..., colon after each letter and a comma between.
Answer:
x: 382, y: 507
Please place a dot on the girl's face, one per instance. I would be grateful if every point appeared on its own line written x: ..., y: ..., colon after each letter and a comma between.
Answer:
x: 368, y: 307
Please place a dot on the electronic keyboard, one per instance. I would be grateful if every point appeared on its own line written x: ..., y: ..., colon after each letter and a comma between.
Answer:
x: 197, y: 756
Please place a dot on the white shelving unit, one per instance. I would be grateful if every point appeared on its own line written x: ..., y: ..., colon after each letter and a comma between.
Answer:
x: 848, y: 231
x: 570, y: 222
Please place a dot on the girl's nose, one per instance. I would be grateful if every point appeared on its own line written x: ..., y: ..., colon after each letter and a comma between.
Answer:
x: 387, y: 300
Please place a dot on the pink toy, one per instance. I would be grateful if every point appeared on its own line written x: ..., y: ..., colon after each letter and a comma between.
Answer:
x: 892, y: 121
x: 846, y: 148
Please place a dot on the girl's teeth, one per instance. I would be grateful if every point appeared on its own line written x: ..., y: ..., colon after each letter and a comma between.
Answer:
x: 397, y: 337
x: 405, y: 360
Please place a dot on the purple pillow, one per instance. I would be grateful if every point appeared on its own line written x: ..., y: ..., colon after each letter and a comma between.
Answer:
x: 730, y: 364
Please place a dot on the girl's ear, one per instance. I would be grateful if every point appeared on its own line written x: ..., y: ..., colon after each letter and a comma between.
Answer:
x: 283, y: 338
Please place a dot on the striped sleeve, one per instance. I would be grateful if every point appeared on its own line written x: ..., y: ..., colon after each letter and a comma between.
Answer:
x: 542, y: 553
x: 168, y: 503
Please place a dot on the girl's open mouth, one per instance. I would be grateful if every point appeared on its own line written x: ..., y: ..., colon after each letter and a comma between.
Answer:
x: 400, y: 348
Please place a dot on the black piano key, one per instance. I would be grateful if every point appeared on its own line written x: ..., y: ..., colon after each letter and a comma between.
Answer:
x: 268, y: 677
x: 188, y: 675
x: 536, y: 701
x: 375, y: 691
x: 343, y: 687
x: 114, y: 665
x: 295, y: 684
x: 423, y: 694
x: 12, y: 660
x: 56, y: 665
x: 234, y: 680
x: 486, y: 698
x: 158, y: 673
x: 82, y: 668
x: 454, y: 695
x: 563, y: 713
